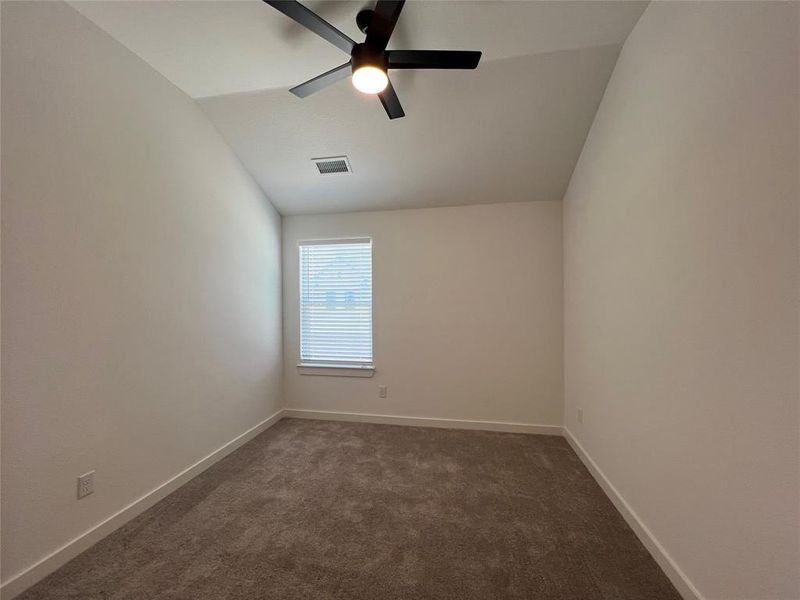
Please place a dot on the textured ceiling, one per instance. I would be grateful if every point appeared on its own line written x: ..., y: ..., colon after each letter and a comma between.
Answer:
x: 510, y: 131
x: 228, y: 46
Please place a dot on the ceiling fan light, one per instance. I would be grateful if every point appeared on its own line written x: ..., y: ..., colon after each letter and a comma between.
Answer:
x: 370, y: 80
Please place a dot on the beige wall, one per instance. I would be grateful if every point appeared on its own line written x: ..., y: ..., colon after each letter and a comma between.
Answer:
x: 681, y: 291
x: 467, y: 313
x: 141, y: 282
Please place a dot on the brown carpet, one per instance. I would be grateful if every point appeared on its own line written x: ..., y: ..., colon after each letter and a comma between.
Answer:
x: 320, y: 510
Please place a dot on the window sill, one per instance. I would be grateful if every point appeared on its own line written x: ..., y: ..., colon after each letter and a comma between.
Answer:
x: 335, y: 370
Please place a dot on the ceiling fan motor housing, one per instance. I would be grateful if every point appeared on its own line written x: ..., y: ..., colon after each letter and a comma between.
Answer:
x: 364, y: 18
x: 365, y: 56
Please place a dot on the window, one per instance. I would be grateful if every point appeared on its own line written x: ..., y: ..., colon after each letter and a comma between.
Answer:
x: 336, y: 303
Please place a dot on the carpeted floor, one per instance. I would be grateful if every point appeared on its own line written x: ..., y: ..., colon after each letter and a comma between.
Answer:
x: 322, y: 510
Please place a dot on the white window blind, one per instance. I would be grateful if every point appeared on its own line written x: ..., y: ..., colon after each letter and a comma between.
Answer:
x: 336, y: 302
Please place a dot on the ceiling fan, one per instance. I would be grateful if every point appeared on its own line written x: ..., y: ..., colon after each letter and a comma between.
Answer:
x: 370, y: 60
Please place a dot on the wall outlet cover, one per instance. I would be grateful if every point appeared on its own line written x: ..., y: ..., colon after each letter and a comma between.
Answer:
x: 86, y: 484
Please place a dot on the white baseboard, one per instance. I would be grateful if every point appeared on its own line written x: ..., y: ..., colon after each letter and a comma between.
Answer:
x: 18, y: 583
x: 682, y: 583
x: 325, y: 415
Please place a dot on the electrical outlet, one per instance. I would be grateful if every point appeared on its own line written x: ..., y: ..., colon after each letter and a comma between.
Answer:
x: 381, y: 391
x: 86, y: 484
x: 580, y: 415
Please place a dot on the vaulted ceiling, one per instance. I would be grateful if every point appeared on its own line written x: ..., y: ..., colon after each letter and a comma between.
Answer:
x: 511, y: 130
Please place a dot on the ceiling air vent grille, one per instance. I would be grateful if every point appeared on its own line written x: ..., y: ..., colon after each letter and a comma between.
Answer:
x: 332, y: 165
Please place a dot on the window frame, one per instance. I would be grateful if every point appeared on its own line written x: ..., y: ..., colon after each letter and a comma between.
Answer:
x: 333, y: 367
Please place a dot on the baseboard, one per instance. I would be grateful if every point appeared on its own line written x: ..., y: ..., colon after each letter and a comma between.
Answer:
x: 38, y: 571
x: 325, y: 415
x: 682, y: 583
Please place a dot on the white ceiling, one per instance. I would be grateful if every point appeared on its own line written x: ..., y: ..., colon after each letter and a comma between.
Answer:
x: 509, y: 131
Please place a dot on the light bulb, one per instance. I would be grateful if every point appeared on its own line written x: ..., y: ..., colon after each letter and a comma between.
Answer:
x: 370, y: 80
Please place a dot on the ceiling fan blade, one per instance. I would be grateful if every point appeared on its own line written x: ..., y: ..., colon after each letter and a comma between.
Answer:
x: 322, y: 81
x: 312, y: 21
x: 385, y: 17
x: 391, y: 103
x: 433, y: 59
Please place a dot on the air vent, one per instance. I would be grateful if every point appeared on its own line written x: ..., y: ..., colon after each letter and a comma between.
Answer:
x: 332, y: 165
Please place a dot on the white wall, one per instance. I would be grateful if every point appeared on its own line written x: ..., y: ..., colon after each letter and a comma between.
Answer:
x: 681, y: 291
x: 141, y: 282
x: 467, y: 313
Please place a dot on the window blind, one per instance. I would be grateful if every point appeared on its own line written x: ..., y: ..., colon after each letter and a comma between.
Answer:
x: 336, y: 302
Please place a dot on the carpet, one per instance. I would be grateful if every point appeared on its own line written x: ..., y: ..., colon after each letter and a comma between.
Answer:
x: 355, y: 511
